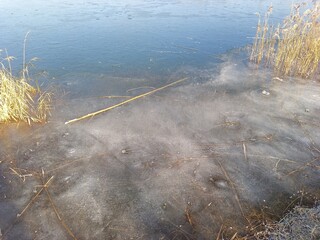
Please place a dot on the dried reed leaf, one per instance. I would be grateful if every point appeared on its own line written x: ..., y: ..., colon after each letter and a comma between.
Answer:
x: 293, y: 48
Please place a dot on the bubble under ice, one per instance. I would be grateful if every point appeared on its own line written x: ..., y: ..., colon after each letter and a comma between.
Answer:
x: 183, y: 163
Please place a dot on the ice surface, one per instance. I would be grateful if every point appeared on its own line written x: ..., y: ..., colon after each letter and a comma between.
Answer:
x: 184, y: 163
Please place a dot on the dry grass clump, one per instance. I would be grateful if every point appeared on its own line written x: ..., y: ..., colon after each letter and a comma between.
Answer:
x: 299, y: 224
x: 20, y: 101
x: 293, y: 47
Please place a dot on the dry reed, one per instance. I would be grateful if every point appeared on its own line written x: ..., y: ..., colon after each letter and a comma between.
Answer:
x: 293, y: 47
x: 19, y: 100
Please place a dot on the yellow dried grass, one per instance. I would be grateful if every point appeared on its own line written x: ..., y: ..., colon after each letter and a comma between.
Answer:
x: 19, y: 100
x: 293, y: 47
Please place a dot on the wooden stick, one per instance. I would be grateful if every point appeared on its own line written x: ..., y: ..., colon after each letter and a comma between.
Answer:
x: 65, y: 226
x: 219, y: 233
x: 124, y: 102
x: 236, y: 195
x: 34, y: 198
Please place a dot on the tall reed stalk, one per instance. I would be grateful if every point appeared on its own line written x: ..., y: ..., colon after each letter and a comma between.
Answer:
x: 293, y: 47
x: 19, y: 100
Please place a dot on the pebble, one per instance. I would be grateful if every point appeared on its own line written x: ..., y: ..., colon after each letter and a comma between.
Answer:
x: 72, y: 151
x: 219, y: 183
x: 124, y: 151
x: 65, y: 134
x: 264, y: 92
x: 277, y: 78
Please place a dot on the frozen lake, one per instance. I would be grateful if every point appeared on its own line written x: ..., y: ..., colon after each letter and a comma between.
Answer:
x: 209, y: 158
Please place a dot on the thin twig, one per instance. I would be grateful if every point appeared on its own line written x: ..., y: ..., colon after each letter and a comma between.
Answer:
x: 23, y: 177
x: 188, y: 216
x: 35, y: 197
x: 219, y: 233
x: 58, y: 215
x: 234, y: 191
x: 22, y: 212
x: 302, y: 167
x: 24, y: 56
x: 9, y: 61
x: 245, y: 151
x: 234, y: 236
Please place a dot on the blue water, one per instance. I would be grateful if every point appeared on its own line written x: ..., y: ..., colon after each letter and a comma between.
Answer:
x: 129, y: 37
